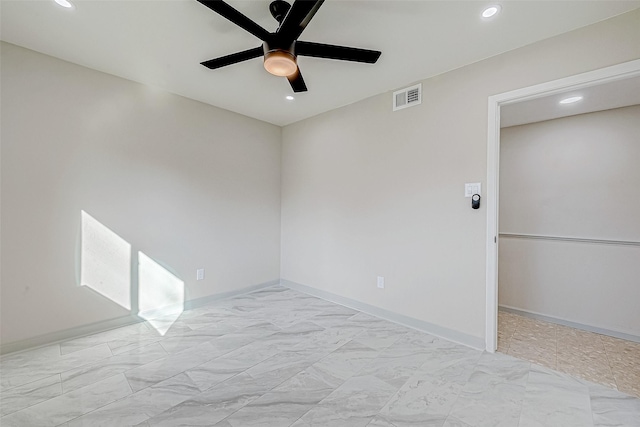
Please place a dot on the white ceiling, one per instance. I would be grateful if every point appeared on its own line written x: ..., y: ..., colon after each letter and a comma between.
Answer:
x: 161, y: 44
x: 606, y: 96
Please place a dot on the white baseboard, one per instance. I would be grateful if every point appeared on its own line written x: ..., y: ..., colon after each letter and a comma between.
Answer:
x: 420, y: 325
x: 94, y: 328
x: 68, y: 334
x: 202, y: 301
x: 569, y: 323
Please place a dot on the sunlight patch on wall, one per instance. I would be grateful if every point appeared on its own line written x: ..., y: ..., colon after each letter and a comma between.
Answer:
x: 160, y: 294
x: 105, y: 262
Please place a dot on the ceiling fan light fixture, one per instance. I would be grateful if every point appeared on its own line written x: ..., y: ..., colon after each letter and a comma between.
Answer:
x: 280, y: 63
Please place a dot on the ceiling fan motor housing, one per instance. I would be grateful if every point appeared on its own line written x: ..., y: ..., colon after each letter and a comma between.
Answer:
x: 279, y: 9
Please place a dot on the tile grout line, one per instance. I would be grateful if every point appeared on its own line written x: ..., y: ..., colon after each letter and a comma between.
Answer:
x: 245, y: 371
x: 556, y: 345
x: 461, y: 388
x: 606, y: 354
x: 33, y: 404
x: 149, y: 386
x: 556, y: 357
x: 285, y: 380
x: 524, y: 395
x: 107, y: 404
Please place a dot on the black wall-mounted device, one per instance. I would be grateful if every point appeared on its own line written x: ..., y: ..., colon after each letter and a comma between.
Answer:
x: 475, y: 201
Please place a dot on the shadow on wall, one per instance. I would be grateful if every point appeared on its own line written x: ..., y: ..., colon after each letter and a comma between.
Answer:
x: 105, y: 267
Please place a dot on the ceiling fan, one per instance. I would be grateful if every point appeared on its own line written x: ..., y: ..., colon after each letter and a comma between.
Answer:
x: 282, y: 47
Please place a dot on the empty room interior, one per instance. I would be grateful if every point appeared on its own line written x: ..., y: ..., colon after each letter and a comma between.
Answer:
x: 320, y: 213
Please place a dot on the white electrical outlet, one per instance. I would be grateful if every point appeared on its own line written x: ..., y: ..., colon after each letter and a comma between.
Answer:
x: 200, y: 274
x: 381, y: 282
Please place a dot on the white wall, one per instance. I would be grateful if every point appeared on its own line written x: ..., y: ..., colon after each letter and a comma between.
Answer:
x: 367, y: 192
x: 573, y: 177
x: 187, y: 184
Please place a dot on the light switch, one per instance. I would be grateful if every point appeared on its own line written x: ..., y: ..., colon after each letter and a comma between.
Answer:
x: 472, y: 188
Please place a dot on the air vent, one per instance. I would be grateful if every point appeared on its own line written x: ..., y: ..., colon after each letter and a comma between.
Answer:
x: 407, y: 97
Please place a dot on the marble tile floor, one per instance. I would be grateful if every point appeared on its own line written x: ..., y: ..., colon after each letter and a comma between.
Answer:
x: 602, y: 359
x: 277, y: 357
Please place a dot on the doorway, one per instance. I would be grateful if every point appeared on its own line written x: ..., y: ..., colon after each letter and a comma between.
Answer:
x: 610, y: 76
x: 578, y: 82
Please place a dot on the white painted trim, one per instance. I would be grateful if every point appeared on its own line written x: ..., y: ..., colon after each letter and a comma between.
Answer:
x: 493, y: 163
x: 579, y: 81
x: 68, y: 334
x: 202, y: 301
x: 570, y: 323
x: 567, y: 239
x: 94, y: 328
x: 420, y: 325
x: 199, y: 302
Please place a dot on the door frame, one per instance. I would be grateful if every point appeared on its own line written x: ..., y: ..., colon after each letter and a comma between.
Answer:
x: 580, y: 81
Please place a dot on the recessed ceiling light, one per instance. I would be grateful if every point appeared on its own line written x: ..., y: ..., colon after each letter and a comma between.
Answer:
x: 289, y: 98
x: 571, y: 100
x: 491, y: 11
x: 65, y: 3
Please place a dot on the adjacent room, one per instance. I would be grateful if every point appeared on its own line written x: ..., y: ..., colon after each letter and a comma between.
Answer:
x: 569, y: 236
x: 255, y: 213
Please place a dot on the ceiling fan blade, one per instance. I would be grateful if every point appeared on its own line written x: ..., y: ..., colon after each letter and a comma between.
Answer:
x: 236, y: 17
x: 319, y: 50
x: 233, y: 58
x: 297, y: 82
x: 298, y: 18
